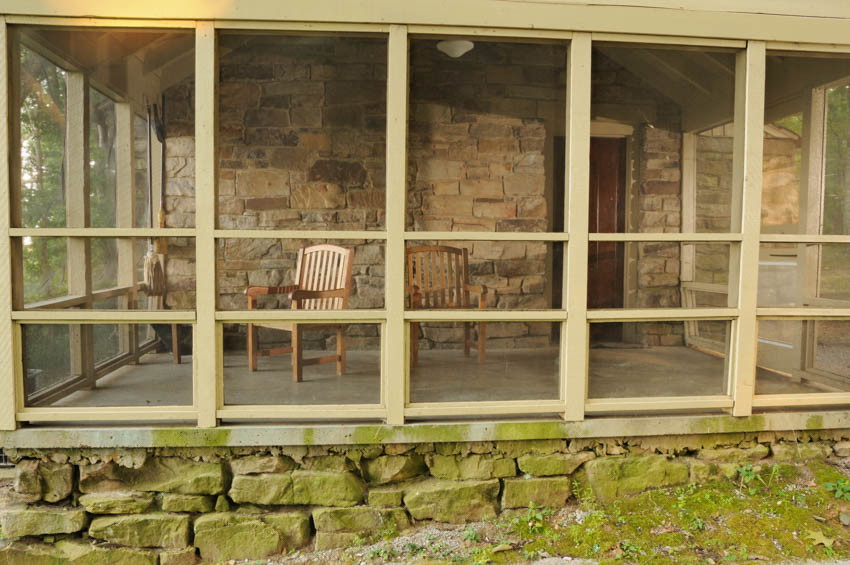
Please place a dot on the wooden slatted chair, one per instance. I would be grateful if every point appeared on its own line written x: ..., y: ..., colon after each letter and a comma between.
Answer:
x: 438, y: 278
x: 322, y: 282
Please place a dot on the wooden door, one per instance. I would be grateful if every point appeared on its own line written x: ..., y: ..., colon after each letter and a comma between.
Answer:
x: 606, y: 260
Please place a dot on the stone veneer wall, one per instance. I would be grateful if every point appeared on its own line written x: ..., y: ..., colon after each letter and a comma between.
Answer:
x: 302, y: 145
x: 172, y: 506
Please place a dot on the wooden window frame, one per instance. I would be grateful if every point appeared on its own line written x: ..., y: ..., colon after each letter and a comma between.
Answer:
x: 813, y: 159
x: 208, y: 407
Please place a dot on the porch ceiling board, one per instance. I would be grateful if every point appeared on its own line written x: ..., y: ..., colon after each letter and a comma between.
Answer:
x: 704, y: 91
x: 758, y: 19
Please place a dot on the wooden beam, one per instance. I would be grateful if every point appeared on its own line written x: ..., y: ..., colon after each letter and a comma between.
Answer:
x: 125, y: 216
x: 9, y: 259
x: 746, y: 179
x: 574, y: 354
x: 397, y: 366
x: 78, y: 215
x: 206, y: 108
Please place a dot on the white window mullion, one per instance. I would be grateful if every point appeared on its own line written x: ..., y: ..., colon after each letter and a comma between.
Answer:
x: 746, y: 213
x: 394, y: 343
x: 204, y: 352
x: 573, y: 360
x: 78, y: 215
x: 11, y: 284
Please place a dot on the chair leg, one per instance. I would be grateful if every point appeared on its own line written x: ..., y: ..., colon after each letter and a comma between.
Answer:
x: 467, y: 337
x: 252, y: 347
x: 297, y: 350
x: 175, y: 342
x: 414, y: 343
x: 340, y: 350
x: 482, y: 340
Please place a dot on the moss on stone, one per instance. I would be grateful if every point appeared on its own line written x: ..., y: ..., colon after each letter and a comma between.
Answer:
x: 157, y: 529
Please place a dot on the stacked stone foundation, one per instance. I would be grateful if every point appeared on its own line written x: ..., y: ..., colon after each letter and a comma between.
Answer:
x: 173, y: 506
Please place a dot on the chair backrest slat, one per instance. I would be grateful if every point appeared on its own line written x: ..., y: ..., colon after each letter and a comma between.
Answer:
x: 436, y: 275
x: 325, y: 267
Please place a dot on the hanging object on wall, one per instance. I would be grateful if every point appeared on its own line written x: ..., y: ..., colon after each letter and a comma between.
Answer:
x: 455, y: 48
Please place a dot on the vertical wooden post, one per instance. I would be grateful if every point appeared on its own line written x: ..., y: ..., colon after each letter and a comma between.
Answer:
x: 206, y: 108
x: 574, y: 356
x: 78, y: 215
x: 125, y: 216
x: 395, y: 350
x: 10, y: 201
x: 746, y: 215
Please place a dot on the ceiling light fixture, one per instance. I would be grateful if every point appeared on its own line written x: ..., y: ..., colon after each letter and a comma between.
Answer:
x: 455, y: 48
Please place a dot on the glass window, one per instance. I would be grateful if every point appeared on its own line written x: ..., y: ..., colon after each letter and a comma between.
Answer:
x: 302, y: 127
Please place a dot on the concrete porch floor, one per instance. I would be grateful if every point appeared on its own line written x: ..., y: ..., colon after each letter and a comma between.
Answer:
x: 442, y: 375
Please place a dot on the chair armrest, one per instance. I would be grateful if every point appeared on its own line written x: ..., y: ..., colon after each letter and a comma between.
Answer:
x: 299, y: 295
x: 480, y: 290
x: 260, y: 290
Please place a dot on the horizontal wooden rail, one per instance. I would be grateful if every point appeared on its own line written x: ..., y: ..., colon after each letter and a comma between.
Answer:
x: 505, y: 408
x: 103, y: 413
x: 339, y: 412
x: 802, y: 313
x: 812, y: 399
x: 104, y: 316
x: 671, y: 237
x: 650, y: 314
x: 102, y: 232
x: 336, y: 235
x: 484, y: 236
x: 302, y: 316
x: 658, y: 404
x: 803, y: 238
x: 485, y: 315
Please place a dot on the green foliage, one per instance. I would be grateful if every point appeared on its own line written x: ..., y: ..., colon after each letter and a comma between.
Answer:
x: 840, y: 489
x: 471, y: 535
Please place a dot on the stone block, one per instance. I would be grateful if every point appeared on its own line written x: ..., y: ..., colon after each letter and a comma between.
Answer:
x: 27, y: 480
x: 393, y: 468
x: 439, y: 170
x: 318, y: 488
x: 157, y: 529
x: 735, y: 454
x: 334, y: 540
x: 385, y: 496
x: 470, y: 467
x: 799, y: 451
x: 292, y: 525
x: 19, y: 521
x: 517, y: 448
x: 452, y: 501
x: 338, y: 463
x: 57, y: 480
x: 553, y: 464
x: 187, y: 556
x: 359, y: 519
x: 705, y: 471
x: 610, y: 477
x: 493, y: 208
x: 842, y: 448
x: 317, y: 195
x: 550, y: 492
x: 226, y: 536
x: 161, y: 474
x: 117, y: 502
x: 262, y: 182
x: 254, y: 464
x: 172, y: 502
x: 77, y: 552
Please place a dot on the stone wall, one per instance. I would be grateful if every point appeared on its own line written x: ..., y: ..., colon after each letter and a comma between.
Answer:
x: 173, y: 506
x: 480, y: 158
